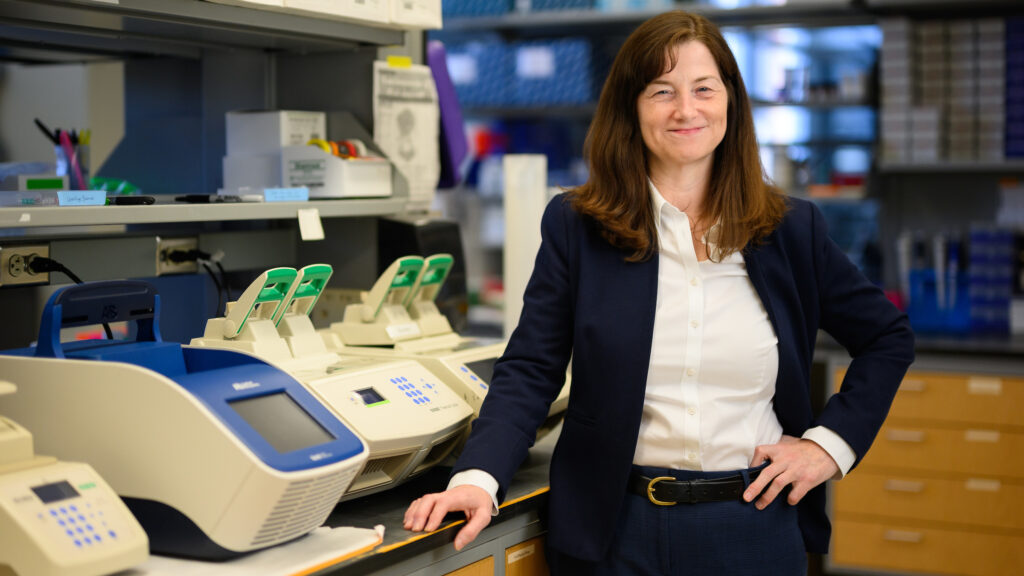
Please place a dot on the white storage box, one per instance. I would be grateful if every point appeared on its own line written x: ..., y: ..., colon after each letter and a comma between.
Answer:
x: 328, y: 176
x: 416, y: 13
x: 256, y: 133
x: 362, y: 10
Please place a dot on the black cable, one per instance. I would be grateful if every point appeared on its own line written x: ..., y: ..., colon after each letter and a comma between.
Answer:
x: 198, y: 256
x: 220, y: 300
x: 224, y: 280
x: 41, y: 264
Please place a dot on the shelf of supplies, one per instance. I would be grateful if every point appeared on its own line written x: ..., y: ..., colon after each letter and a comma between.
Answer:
x: 952, y: 166
x: 811, y: 14
x: 566, y: 111
x: 940, y: 6
x: 37, y: 217
x: 831, y: 105
x: 180, y: 28
x: 819, y: 143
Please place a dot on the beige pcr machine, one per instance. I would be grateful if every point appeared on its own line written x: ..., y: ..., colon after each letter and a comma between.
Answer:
x: 409, y: 420
x: 59, y: 518
x: 397, y: 318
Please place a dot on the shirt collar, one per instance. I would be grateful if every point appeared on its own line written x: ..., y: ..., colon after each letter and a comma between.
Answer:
x: 658, y: 203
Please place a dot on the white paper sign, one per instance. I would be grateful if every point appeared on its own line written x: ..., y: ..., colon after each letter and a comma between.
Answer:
x: 406, y: 125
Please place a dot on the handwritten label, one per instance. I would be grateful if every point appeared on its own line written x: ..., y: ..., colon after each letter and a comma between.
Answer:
x: 298, y: 194
x: 81, y: 198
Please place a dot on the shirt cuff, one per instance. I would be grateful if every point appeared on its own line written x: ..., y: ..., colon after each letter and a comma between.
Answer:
x: 480, y: 479
x: 836, y: 447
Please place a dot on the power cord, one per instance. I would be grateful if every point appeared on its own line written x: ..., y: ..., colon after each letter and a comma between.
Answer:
x: 41, y: 264
x: 204, y: 259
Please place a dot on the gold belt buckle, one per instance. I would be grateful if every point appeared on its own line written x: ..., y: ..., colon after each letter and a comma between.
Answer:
x: 650, y: 491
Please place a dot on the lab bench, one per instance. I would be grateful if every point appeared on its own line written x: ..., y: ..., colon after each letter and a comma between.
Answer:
x: 512, y: 543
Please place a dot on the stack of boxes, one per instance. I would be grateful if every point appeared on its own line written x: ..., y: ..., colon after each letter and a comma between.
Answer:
x: 896, y: 65
x: 962, y: 109
x: 990, y: 279
x: 1014, y: 61
x: 992, y: 89
x: 944, y: 91
x: 927, y: 115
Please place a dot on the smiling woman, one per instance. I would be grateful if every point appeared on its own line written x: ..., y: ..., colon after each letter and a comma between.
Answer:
x: 688, y: 293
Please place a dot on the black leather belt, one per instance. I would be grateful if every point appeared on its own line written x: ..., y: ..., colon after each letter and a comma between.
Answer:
x: 667, y: 491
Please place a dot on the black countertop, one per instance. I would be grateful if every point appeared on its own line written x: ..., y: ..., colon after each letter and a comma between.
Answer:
x: 528, y: 492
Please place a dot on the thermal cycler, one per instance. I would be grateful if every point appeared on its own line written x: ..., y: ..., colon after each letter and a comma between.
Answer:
x: 408, y: 418
x: 217, y: 453
x: 398, y: 319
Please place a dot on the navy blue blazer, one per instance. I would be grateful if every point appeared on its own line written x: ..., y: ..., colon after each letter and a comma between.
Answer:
x: 586, y: 302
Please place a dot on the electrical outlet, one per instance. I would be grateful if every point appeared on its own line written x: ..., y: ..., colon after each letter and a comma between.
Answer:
x: 166, y: 246
x: 14, y: 260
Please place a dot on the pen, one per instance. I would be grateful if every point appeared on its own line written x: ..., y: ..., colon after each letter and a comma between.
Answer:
x: 49, y: 135
x: 69, y: 151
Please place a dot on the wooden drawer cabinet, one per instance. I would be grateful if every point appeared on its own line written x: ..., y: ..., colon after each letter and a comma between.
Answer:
x: 960, y: 398
x: 972, y: 451
x: 942, y: 489
x: 979, y: 502
x: 909, y: 548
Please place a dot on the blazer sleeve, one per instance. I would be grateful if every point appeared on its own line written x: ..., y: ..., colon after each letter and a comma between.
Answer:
x: 876, y: 334
x: 532, y: 371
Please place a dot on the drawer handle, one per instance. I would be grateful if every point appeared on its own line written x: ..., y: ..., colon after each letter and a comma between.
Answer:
x: 911, y: 486
x: 982, y: 485
x: 984, y: 386
x: 905, y: 435
x: 909, y: 385
x: 988, y: 436
x: 903, y: 536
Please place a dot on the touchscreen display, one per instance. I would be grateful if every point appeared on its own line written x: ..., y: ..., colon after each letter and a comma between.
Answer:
x: 483, y: 368
x: 55, y: 492
x: 282, y: 422
x: 370, y: 396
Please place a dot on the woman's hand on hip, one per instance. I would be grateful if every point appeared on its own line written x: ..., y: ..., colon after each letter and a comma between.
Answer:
x: 426, y: 513
x: 799, y: 463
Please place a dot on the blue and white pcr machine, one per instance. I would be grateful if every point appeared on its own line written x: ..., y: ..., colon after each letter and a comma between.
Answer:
x: 397, y: 318
x: 408, y: 418
x: 216, y: 453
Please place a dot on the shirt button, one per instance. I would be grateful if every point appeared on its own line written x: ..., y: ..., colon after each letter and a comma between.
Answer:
x: 693, y: 281
x: 692, y: 411
x: 691, y: 456
x: 690, y: 371
x: 694, y: 323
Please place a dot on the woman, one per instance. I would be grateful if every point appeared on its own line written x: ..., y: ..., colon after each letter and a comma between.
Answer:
x: 689, y: 293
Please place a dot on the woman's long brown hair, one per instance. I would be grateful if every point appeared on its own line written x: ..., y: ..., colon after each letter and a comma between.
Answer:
x: 617, y: 194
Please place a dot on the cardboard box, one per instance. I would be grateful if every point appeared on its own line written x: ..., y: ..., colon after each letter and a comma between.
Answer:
x: 258, y: 133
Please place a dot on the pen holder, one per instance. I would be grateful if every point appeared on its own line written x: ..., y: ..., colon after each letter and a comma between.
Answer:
x: 64, y: 166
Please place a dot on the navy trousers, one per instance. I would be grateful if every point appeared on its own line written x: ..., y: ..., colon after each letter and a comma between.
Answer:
x: 704, y: 539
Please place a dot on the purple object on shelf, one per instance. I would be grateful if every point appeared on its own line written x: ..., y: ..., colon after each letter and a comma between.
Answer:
x: 454, y: 145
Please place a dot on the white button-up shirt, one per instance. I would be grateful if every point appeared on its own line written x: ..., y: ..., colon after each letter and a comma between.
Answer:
x: 714, y: 361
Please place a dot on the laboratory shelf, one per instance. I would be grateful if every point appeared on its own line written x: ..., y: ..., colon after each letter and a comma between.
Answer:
x: 578, y: 111
x: 809, y: 14
x: 180, y: 28
x: 36, y: 216
x: 952, y: 166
